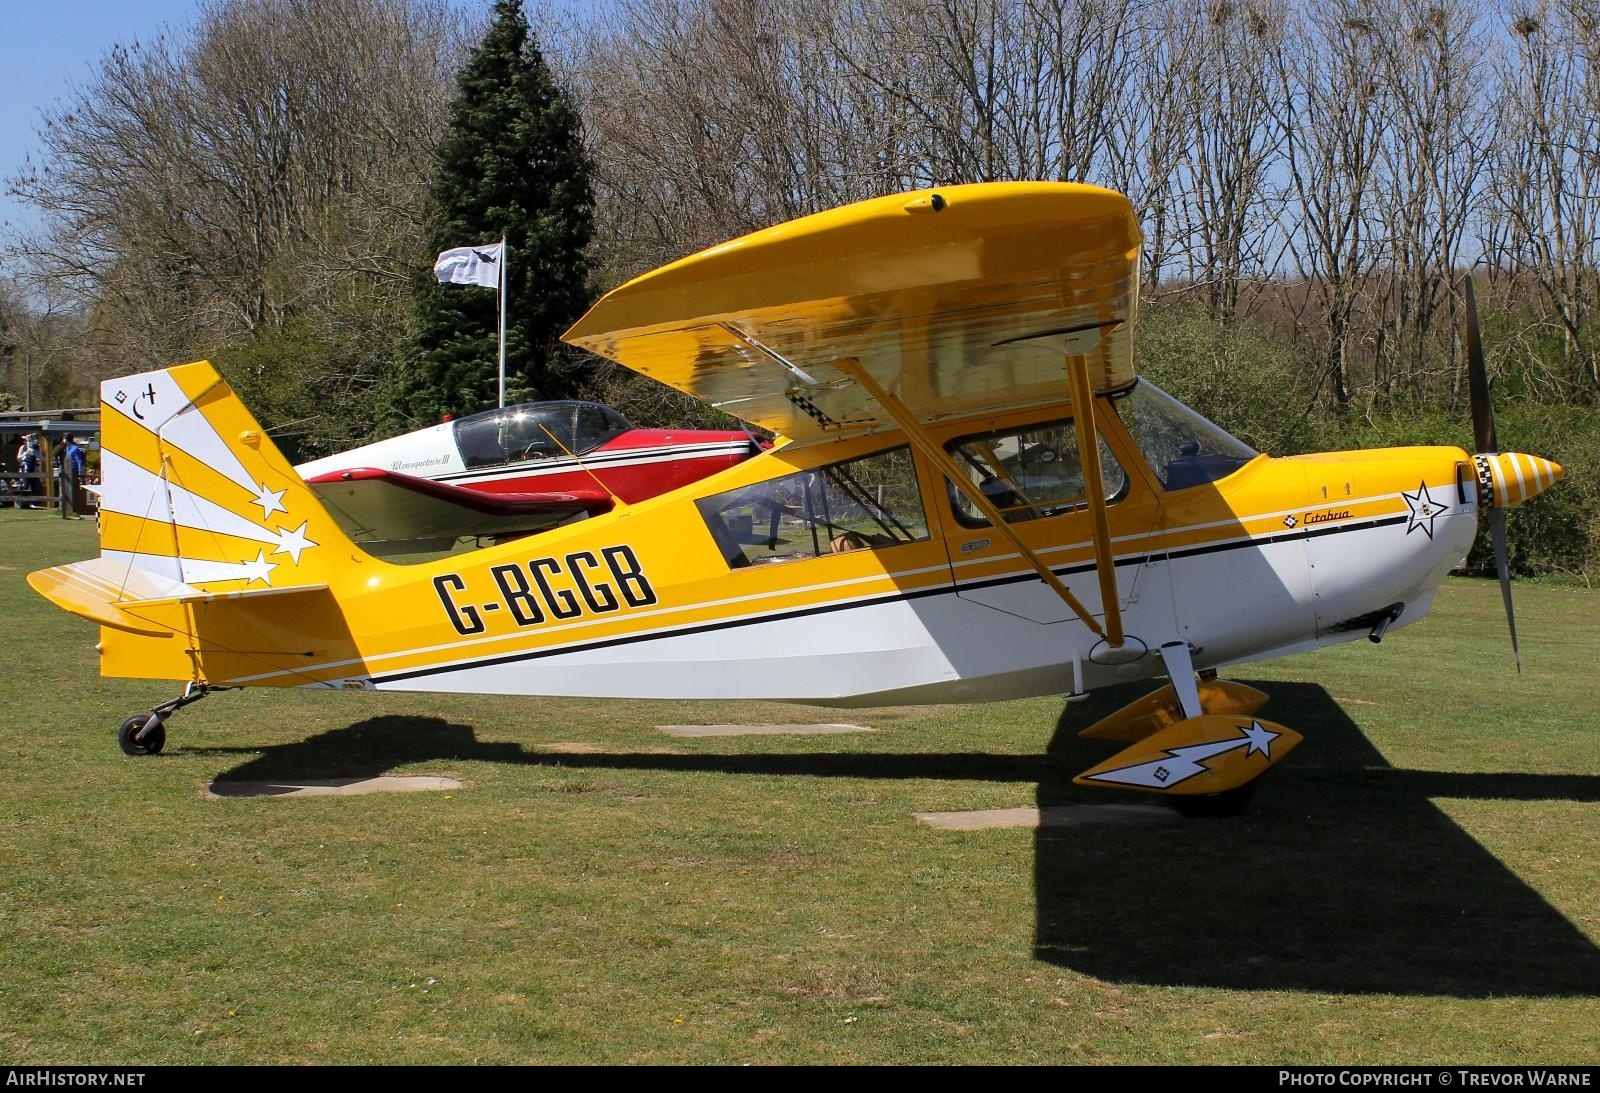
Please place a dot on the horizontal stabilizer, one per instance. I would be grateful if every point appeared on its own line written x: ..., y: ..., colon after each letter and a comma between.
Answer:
x: 87, y: 590
x: 375, y: 506
x: 110, y: 593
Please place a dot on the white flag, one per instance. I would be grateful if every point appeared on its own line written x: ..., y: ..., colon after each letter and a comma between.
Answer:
x: 470, y: 266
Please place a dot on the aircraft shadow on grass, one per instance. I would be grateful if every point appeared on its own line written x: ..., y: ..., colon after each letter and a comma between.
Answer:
x: 1343, y: 877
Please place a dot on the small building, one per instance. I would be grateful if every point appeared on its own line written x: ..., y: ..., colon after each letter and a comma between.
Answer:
x: 52, y: 428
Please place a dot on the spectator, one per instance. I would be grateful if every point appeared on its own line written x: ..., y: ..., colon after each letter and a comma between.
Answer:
x: 30, y: 463
x: 73, y: 465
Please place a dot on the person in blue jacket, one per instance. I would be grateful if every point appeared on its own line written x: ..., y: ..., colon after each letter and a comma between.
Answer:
x: 73, y: 466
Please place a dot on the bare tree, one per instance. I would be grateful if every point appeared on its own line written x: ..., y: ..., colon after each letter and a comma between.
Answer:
x: 1155, y: 127
x: 265, y: 168
x: 1227, y: 216
x: 40, y: 360
x: 1331, y: 109
x: 1438, y: 128
x: 1544, y: 223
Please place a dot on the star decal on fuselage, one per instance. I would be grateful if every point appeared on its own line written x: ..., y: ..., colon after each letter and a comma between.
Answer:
x: 1424, y: 510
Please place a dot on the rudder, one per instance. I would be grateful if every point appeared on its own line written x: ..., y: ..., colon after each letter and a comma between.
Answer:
x: 208, y: 536
x: 195, y: 492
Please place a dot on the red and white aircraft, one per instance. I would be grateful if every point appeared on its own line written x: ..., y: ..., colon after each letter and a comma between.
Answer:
x: 508, y: 472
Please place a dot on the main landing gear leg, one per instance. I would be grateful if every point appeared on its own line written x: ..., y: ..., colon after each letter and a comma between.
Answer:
x: 146, y: 733
x: 1180, y: 669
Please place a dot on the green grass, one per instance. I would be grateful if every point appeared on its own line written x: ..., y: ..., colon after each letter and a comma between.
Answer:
x: 1417, y: 883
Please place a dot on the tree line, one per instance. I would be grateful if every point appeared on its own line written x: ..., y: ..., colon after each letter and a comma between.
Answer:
x: 1314, y: 178
x: 1330, y: 168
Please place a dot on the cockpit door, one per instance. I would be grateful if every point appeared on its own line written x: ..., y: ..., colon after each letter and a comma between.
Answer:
x: 1033, y: 475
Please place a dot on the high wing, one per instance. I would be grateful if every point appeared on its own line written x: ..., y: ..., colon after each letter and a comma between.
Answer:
x: 376, y: 507
x: 960, y: 301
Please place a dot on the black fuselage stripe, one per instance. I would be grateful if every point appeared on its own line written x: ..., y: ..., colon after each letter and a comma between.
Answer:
x: 942, y: 590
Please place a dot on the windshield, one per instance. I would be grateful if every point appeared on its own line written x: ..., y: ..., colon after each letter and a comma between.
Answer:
x: 1182, y: 448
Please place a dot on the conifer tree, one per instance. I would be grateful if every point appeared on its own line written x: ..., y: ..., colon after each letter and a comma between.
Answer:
x: 512, y: 164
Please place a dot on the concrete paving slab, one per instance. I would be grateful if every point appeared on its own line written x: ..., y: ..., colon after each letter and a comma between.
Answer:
x: 1050, y: 816
x: 759, y: 730
x: 336, y: 787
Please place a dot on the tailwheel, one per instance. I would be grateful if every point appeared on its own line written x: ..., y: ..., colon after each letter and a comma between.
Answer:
x: 135, y: 739
x: 146, y: 733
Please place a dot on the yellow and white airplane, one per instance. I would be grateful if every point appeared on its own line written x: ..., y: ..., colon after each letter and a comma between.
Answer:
x: 973, y: 497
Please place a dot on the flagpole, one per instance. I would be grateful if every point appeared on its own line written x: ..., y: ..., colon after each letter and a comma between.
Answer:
x: 504, y: 258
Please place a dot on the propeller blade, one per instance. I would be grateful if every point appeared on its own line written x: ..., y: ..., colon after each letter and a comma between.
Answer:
x: 1484, y: 438
x: 1497, y: 535
x: 1483, y: 434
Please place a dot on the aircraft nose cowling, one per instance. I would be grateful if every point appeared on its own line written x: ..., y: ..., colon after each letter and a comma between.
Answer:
x: 1508, y: 478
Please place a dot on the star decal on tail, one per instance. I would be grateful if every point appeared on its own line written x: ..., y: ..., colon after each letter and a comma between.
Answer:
x: 258, y: 570
x: 293, y: 542
x: 271, y: 501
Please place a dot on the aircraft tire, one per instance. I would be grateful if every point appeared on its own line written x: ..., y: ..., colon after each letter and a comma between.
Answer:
x: 150, y: 745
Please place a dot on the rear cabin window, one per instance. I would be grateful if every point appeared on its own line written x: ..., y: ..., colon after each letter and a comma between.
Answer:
x: 1029, y: 474
x: 862, y: 504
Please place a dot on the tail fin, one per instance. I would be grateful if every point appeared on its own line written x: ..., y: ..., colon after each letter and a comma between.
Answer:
x: 196, y: 504
x: 193, y: 490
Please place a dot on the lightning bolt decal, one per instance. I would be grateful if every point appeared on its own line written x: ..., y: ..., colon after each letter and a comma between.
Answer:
x: 1180, y: 764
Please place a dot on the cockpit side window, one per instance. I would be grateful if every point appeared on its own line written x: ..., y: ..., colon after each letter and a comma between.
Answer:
x: 1029, y: 473
x: 869, y: 503
x: 478, y: 438
x: 537, y: 432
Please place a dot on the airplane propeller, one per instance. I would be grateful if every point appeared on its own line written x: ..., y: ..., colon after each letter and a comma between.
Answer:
x: 1483, y: 433
x: 1503, y: 478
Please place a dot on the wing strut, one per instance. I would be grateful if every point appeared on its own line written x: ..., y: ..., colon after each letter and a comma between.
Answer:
x: 1105, y: 564
x: 908, y: 422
